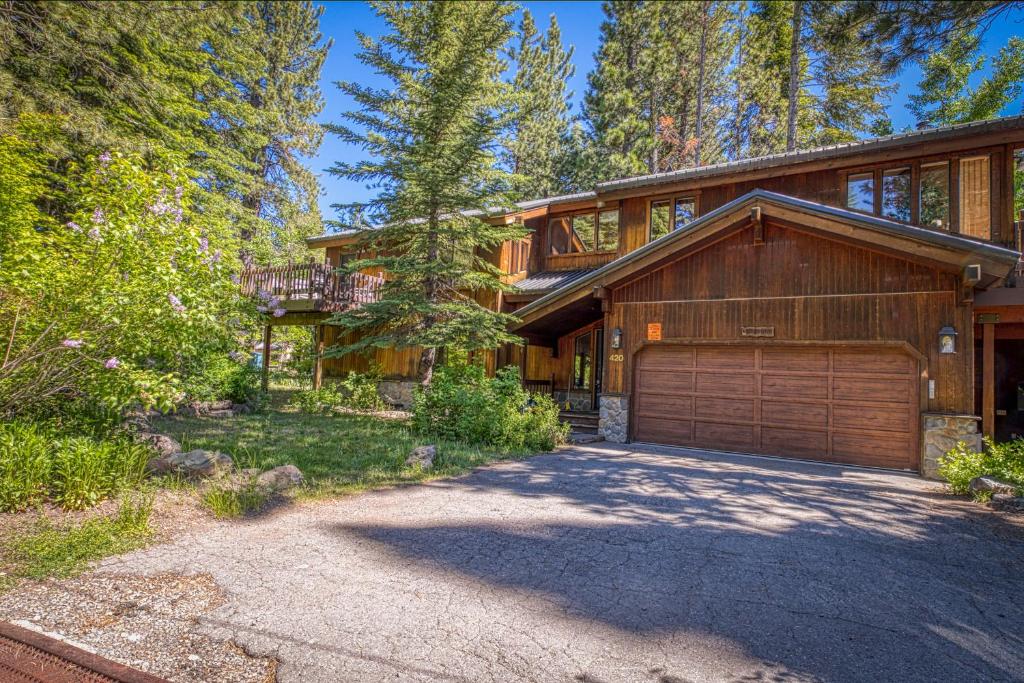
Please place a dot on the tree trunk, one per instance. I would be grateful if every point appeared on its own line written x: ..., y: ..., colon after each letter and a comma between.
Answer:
x: 794, y: 74
x: 737, y: 131
x: 699, y: 129
x: 652, y: 166
x: 429, y: 355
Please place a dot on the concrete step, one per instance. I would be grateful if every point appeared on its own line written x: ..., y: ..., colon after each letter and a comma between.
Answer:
x: 577, y: 437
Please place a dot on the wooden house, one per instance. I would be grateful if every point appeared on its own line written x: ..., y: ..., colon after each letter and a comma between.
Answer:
x: 855, y: 303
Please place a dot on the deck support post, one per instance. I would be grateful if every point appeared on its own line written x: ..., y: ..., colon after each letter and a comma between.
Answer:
x: 265, y: 369
x: 318, y: 358
x: 988, y: 379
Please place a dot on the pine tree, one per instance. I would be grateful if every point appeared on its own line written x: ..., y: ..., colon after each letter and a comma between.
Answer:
x: 283, y: 90
x: 431, y: 136
x: 945, y: 96
x: 537, y: 145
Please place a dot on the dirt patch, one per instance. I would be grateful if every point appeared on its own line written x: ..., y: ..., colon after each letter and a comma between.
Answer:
x: 151, y: 623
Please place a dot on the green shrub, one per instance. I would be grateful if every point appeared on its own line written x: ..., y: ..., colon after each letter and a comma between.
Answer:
x: 62, y: 551
x: 25, y: 462
x: 357, y: 391
x: 1000, y: 460
x: 463, y: 404
x: 225, y: 501
x: 221, y: 378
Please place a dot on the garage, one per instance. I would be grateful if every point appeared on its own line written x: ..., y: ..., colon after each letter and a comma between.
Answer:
x: 846, y: 404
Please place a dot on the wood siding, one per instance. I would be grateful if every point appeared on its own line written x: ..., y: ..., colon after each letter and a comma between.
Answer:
x: 805, y: 289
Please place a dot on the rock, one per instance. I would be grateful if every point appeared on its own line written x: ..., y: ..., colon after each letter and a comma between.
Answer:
x: 422, y: 456
x: 281, y: 478
x: 220, y: 413
x: 218, y: 405
x: 241, y: 408
x: 197, y: 464
x: 136, y: 422
x: 992, y: 484
x: 1007, y: 501
x: 161, y: 443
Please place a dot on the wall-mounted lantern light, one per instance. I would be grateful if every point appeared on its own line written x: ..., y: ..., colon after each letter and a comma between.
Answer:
x: 617, y: 338
x: 947, y: 340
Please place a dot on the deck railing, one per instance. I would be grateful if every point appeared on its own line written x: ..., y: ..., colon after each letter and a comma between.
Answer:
x: 317, y: 283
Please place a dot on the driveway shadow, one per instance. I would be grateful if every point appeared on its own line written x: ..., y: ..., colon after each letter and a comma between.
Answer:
x: 827, y: 572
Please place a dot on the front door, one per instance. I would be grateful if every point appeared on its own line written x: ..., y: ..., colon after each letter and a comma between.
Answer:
x: 598, y: 367
x: 587, y: 367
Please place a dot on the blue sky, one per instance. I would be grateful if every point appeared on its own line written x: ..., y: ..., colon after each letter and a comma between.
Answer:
x: 579, y: 21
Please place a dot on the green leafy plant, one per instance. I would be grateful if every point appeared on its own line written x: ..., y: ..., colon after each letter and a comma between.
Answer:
x: 359, y: 390
x: 222, y: 378
x: 1003, y: 461
x: 50, y: 550
x: 225, y: 501
x: 25, y: 463
x: 317, y: 401
x: 462, y: 403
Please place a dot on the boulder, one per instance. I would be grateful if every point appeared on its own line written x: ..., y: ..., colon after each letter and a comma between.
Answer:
x: 281, y: 478
x: 136, y: 422
x: 992, y: 484
x: 241, y: 408
x: 422, y: 456
x: 197, y: 464
x: 161, y: 443
x: 1007, y: 501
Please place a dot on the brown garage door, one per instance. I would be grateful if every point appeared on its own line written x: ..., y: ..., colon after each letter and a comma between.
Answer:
x: 848, y: 405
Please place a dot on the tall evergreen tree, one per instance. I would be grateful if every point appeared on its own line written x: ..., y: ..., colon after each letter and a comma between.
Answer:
x: 539, y: 139
x: 283, y: 90
x: 432, y: 137
x: 945, y: 96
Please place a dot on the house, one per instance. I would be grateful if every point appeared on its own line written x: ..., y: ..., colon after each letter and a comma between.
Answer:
x: 854, y: 303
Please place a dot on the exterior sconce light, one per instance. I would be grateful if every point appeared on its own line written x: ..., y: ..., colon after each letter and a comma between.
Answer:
x: 947, y: 340
x: 617, y: 338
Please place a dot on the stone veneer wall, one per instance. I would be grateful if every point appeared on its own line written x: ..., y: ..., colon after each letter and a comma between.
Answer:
x: 397, y: 392
x: 577, y: 400
x: 941, y: 433
x: 613, y: 419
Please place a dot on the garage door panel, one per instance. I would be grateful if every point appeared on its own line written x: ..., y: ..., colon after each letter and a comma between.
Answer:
x: 872, y: 390
x: 795, y: 386
x: 725, y: 358
x: 795, y: 360
x: 870, y: 418
x: 880, y: 362
x: 665, y: 381
x: 798, y: 443
x: 668, y: 357
x: 725, y: 436
x: 674, y: 407
x: 724, y: 384
x: 667, y: 431
x: 857, y: 406
x: 725, y: 409
x: 799, y: 414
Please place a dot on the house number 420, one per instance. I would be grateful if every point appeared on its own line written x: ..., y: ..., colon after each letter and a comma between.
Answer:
x: 616, y: 358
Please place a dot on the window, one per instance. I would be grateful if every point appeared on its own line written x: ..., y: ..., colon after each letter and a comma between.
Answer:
x: 668, y: 215
x: 584, y: 232
x: 608, y: 230
x: 896, y: 193
x: 975, y: 197
x: 860, y: 192
x: 661, y: 223
x: 935, y: 195
x: 581, y: 362
x: 558, y: 235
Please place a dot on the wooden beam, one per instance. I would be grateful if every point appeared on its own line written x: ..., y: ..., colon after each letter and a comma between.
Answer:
x: 318, y: 358
x: 265, y: 370
x: 988, y: 379
x: 758, y: 219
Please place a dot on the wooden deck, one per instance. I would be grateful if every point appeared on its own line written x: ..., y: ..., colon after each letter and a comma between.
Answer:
x: 308, y: 287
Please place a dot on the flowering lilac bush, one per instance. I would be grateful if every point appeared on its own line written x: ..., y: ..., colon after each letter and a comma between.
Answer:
x: 114, y: 280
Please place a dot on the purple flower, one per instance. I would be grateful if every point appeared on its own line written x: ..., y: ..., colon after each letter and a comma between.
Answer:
x: 215, y: 257
x: 178, y: 214
x: 263, y: 294
x: 176, y: 303
x: 159, y: 207
x: 72, y: 343
x: 98, y: 216
x: 111, y: 363
x: 261, y: 309
x: 105, y: 158
x: 204, y: 245
x: 178, y: 192
x: 278, y: 312
x: 74, y: 226
x: 273, y: 302
x: 235, y: 279
x: 94, y: 234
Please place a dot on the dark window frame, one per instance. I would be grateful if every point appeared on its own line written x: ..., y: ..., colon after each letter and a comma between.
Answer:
x: 672, y: 200
x: 595, y: 213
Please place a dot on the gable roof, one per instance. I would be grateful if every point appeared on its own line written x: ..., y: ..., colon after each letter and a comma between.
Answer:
x: 953, y: 251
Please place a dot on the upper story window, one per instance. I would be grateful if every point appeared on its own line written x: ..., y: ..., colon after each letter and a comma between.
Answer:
x: 670, y: 214
x: 921, y: 193
x: 594, y: 230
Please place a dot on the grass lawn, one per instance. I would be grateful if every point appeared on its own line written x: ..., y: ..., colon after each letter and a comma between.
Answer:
x: 338, y: 453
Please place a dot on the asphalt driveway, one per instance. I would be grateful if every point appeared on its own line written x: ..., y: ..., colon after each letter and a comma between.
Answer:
x: 602, y: 564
